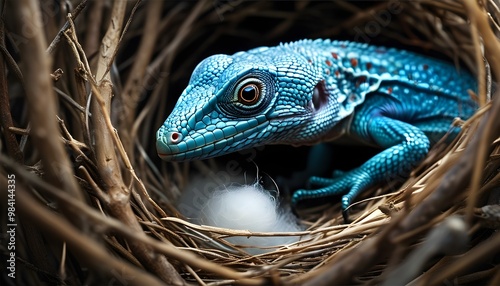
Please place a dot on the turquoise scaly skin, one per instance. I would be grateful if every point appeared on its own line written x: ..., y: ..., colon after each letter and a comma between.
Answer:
x: 312, y: 91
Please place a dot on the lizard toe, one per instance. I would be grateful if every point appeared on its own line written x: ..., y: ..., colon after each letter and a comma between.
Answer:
x: 320, y: 182
x: 350, y: 185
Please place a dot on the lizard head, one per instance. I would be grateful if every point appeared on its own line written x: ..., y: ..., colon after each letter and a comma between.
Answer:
x: 263, y: 96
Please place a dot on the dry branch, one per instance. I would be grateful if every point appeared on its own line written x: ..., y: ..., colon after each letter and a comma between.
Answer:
x: 66, y: 26
x: 135, y: 85
x: 5, y: 115
x: 89, y: 251
x: 117, y: 192
x: 105, y: 225
x: 36, y: 71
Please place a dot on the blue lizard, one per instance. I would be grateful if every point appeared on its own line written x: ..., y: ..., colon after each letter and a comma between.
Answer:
x: 312, y: 91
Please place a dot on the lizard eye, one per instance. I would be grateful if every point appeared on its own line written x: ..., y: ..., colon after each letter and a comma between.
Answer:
x: 249, y: 94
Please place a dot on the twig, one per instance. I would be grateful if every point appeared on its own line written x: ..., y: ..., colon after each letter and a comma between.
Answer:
x: 115, y: 50
x: 483, y: 251
x: 92, y: 37
x: 479, y: 20
x: 57, y: 38
x: 3, y: 49
x: 77, y: 49
x: 5, y: 114
x: 107, y: 160
x: 135, y: 84
x: 84, y: 247
x: 45, y: 132
x: 448, y: 237
x: 111, y: 224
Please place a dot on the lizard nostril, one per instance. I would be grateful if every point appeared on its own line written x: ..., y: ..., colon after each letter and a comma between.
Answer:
x: 175, y: 137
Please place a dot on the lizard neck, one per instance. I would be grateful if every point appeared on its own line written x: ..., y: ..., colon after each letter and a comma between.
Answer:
x: 337, y: 92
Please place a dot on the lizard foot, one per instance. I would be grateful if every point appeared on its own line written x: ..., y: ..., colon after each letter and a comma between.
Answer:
x: 349, y: 184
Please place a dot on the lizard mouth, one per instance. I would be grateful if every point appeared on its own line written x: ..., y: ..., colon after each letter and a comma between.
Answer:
x: 173, y: 146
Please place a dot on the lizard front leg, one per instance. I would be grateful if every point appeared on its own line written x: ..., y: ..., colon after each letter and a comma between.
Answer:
x: 405, y: 146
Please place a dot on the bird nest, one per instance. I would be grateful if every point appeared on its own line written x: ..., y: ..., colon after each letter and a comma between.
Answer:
x: 87, y: 84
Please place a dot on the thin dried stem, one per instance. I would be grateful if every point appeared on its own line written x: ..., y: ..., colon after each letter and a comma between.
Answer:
x: 107, y: 159
x: 44, y: 132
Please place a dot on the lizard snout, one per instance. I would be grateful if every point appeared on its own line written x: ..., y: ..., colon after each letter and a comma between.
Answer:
x: 167, y: 144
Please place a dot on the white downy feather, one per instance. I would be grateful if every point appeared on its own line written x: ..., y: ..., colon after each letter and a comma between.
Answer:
x: 242, y: 207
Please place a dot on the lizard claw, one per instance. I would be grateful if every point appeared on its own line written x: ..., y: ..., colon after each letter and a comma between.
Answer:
x: 345, y: 216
